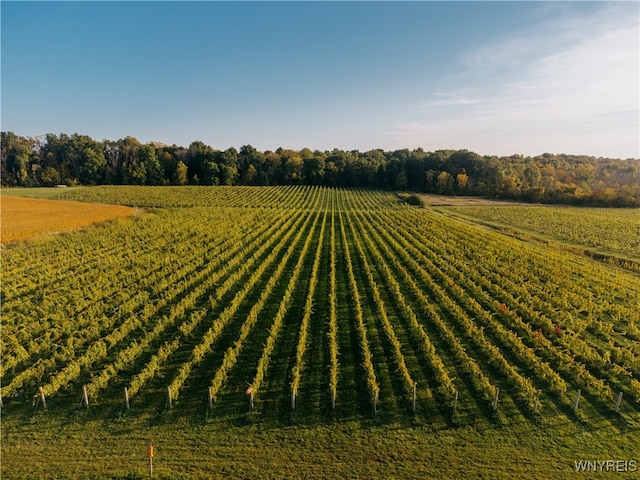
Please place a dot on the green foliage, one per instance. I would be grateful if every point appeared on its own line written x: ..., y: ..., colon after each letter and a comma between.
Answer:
x: 385, y: 295
x: 78, y: 159
x: 606, y: 230
x: 413, y: 199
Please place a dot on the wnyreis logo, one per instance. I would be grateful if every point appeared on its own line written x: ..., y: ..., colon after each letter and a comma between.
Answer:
x: 618, y: 466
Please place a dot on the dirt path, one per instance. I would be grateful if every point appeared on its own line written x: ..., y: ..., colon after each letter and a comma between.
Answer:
x: 446, y: 201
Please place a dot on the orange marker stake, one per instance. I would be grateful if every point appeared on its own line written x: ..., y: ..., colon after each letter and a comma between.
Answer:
x: 150, y: 455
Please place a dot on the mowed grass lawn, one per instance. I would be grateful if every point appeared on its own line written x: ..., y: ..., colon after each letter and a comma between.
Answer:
x: 48, y: 447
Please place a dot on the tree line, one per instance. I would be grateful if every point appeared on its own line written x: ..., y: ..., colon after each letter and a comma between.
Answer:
x: 548, y: 178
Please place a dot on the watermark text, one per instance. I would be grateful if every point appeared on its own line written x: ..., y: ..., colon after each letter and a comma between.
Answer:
x: 614, y: 466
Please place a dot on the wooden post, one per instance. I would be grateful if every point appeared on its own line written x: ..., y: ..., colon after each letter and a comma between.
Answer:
x: 126, y: 398
x: 455, y: 402
x: 375, y: 404
x: 1, y: 404
x: 536, y: 403
x: 333, y: 400
x: 249, y: 393
x: 575, y: 402
x: 169, y: 400
x: 413, y: 400
x: 293, y: 400
x: 85, y: 397
x: 42, y: 399
x: 495, y: 399
x: 618, y: 400
x: 210, y: 399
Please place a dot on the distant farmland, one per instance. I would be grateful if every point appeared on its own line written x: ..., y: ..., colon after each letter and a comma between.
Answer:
x: 236, y: 307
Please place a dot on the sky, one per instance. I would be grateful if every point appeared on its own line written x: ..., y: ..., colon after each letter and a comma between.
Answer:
x: 496, y: 78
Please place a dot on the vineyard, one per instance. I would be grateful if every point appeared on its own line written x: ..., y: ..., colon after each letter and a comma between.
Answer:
x: 310, y: 305
x: 614, y: 231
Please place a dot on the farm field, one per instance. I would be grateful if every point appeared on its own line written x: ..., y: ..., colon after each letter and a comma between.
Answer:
x: 24, y: 217
x: 610, y: 231
x: 287, y: 332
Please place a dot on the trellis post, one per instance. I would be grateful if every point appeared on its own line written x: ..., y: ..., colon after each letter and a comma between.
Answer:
x: 536, y: 403
x: 618, y: 400
x: 42, y: 398
x: 576, y: 402
x: 169, y: 399
x: 455, y: 402
x: 413, y: 400
x: 85, y: 397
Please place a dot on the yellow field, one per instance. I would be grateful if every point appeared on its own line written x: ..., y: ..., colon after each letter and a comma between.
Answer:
x: 23, y: 217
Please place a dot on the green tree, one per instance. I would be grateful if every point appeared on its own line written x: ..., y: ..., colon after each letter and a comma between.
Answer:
x: 250, y: 163
x: 401, y: 181
x: 93, y: 167
x: 181, y: 173
x: 49, y: 176
x: 18, y: 164
x: 155, y: 174
x: 313, y: 169
x: 293, y: 167
x: 250, y: 176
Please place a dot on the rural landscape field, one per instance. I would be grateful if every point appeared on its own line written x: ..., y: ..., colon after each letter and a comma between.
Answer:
x: 313, y: 332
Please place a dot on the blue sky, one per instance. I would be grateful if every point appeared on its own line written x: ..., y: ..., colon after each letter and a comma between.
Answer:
x: 493, y: 77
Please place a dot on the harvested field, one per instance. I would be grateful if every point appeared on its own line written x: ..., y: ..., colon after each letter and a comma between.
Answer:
x: 24, y: 218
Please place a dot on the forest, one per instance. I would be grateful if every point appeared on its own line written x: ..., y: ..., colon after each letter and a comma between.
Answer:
x: 77, y: 159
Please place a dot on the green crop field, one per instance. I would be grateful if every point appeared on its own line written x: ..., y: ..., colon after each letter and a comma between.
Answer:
x: 606, y: 230
x: 307, y: 332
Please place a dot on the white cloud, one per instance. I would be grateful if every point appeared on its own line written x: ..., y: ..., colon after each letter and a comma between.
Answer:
x: 571, y: 90
x: 448, y: 100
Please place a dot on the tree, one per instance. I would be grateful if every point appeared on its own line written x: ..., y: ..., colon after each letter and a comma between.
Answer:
x: 93, y: 167
x: 199, y: 159
x: 18, y: 164
x: 313, y: 169
x: 181, y: 173
x: 137, y: 173
x: 51, y: 159
x: 130, y: 171
x: 401, y: 181
x: 211, y: 174
x: 444, y: 183
x: 228, y: 165
x: 155, y: 174
x: 293, y: 167
x: 228, y: 175
x: 331, y: 174
x: 250, y: 161
x: 462, y: 180
x: 50, y: 176
x: 430, y: 179
x: 250, y: 176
